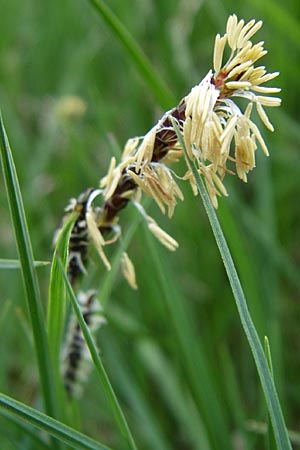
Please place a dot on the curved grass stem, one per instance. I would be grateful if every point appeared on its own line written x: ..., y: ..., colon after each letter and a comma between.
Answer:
x: 273, y: 404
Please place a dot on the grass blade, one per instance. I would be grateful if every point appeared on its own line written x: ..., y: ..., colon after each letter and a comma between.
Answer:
x: 15, y: 263
x: 280, y: 431
x: 151, y: 78
x: 176, y: 398
x: 23, y: 429
x: 28, y: 273
x: 57, y: 291
x: 271, y: 437
x: 197, y: 367
x: 51, y: 426
x: 120, y: 418
x: 147, y: 424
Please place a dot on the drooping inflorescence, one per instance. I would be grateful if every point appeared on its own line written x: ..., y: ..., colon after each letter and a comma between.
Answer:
x: 219, y: 136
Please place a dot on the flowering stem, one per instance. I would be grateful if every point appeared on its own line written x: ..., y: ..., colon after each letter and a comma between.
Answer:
x: 267, y: 382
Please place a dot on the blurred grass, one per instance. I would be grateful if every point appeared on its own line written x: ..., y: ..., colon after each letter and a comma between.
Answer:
x: 51, y: 53
x: 29, y: 275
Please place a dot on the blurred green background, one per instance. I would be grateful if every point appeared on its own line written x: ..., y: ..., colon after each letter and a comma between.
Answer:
x: 70, y: 98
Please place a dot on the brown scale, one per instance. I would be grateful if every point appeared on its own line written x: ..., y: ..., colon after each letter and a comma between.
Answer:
x: 79, y: 240
x: 165, y: 139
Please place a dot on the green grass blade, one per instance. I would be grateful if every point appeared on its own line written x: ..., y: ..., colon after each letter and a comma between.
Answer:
x: 268, y: 355
x: 279, y: 255
x: 151, y: 78
x: 23, y: 429
x: 120, y: 418
x: 28, y: 273
x: 197, y: 366
x: 232, y: 392
x: 271, y: 437
x: 15, y: 263
x: 169, y: 386
x: 51, y: 426
x: 57, y: 292
x: 148, y: 425
x: 280, y: 431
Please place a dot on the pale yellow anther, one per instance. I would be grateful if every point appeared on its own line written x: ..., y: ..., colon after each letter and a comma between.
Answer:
x: 130, y: 147
x: 238, y: 84
x: 239, y: 69
x: 266, y: 90
x: 240, y: 40
x: 262, y: 114
x: 252, y: 31
x: 128, y: 270
x: 268, y: 101
x: 96, y: 237
x: 259, y: 138
x: 145, y: 151
x: 111, y: 169
x: 111, y: 187
x: 163, y: 237
x: 220, y: 43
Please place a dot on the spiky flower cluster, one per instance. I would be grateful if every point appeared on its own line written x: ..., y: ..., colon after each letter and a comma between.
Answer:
x: 215, y: 129
x: 218, y: 135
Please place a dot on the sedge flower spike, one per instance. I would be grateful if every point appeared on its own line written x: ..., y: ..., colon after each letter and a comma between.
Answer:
x: 219, y: 136
x: 215, y: 128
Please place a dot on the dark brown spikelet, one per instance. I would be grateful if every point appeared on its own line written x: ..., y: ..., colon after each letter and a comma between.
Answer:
x: 79, y: 239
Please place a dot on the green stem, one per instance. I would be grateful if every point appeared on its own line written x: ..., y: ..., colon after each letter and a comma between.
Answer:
x: 57, y: 293
x: 280, y: 431
x: 270, y: 434
x: 119, y: 415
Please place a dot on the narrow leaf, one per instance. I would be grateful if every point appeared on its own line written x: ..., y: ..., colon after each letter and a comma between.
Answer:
x: 28, y: 272
x: 119, y: 415
x: 51, y: 426
x: 57, y: 291
x: 270, y: 434
x: 15, y: 263
x: 197, y: 367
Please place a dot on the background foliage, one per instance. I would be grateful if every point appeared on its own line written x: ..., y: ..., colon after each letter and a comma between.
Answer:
x: 60, y: 49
